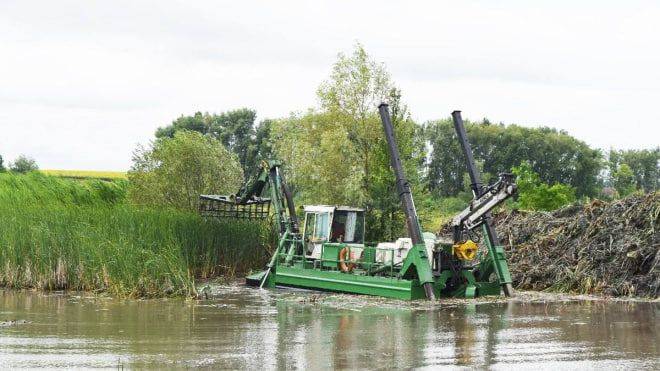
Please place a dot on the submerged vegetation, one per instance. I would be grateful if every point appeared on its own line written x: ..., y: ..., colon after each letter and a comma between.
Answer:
x: 62, y: 234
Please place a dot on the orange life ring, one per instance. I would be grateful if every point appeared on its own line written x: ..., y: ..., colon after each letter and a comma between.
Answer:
x: 343, y: 266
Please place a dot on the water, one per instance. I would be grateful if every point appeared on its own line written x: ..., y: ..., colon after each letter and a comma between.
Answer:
x: 241, y: 327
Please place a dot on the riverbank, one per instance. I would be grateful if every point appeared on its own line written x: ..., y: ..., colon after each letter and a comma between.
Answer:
x: 61, y: 234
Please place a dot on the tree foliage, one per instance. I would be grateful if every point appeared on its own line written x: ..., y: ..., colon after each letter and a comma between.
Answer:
x: 554, y: 155
x: 534, y: 194
x: 236, y: 130
x: 337, y: 154
x: 643, y: 165
x: 623, y: 180
x: 2, y: 165
x: 23, y: 164
x: 175, y: 171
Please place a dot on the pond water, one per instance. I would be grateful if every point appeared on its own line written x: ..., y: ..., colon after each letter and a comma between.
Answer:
x: 240, y: 327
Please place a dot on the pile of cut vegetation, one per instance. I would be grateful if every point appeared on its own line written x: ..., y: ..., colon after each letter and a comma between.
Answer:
x: 607, y: 248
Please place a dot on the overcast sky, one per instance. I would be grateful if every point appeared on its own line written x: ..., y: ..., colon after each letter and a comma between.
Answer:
x: 81, y: 83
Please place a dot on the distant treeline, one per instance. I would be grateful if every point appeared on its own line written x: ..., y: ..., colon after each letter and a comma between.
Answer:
x: 555, y: 156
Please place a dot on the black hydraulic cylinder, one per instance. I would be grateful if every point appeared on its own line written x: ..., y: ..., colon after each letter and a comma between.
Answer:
x: 475, y: 178
x: 402, y: 185
x: 403, y: 188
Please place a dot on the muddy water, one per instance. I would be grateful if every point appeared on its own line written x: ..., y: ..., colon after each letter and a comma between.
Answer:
x: 240, y: 327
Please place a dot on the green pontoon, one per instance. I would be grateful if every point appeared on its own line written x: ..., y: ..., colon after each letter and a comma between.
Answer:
x: 329, y: 252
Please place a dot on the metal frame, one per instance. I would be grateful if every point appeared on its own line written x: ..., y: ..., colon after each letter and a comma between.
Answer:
x: 217, y: 206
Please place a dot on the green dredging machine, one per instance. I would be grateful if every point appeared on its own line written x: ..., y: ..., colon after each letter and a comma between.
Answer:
x: 329, y: 252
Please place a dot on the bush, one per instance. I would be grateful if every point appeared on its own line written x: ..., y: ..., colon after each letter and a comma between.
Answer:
x: 173, y: 172
x: 435, y: 211
x: 623, y: 180
x: 535, y: 195
x: 24, y: 164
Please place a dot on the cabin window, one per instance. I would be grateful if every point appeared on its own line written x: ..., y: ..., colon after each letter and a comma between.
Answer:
x: 348, y: 226
x: 321, y: 230
x: 310, y: 223
x: 317, y: 227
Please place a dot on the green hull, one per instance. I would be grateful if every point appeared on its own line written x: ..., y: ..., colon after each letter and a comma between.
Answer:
x: 337, y: 281
x: 349, y: 283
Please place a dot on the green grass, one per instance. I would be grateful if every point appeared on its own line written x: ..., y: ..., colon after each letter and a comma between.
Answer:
x: 62, y: 234
x: 38, y: 189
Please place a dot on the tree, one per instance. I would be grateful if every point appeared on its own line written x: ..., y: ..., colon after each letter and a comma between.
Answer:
x: 554, y: 155
x: 174, y: 171
x: 23, y: 164
x: 644, y: 164
x: 236, y: 130
x: 623, y: 180
x: 337, y: 154
x: 533, y: 194
x: 2, y: 165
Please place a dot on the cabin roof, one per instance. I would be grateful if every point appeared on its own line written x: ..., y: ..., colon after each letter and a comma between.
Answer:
x: 330, y: 208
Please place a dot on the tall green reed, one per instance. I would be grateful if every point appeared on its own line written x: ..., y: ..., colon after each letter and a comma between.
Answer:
x: 63, y: 234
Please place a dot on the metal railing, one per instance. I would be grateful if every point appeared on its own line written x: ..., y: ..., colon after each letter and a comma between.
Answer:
x: 217, y: 206
x: 369, y: 268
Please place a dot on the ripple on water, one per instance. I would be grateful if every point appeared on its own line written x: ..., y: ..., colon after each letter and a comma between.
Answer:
x: 239, y: 327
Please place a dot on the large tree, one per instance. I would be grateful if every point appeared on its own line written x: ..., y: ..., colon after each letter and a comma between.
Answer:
x: 235, y: 129
x: 337, y: 153
x: 175, y: 171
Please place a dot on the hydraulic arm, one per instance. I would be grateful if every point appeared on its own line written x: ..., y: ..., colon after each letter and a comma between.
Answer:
x: 285, y: 211
x: 475, y: 214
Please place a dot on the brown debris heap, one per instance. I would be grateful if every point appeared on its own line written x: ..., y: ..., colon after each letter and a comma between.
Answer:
x: 606, y: 248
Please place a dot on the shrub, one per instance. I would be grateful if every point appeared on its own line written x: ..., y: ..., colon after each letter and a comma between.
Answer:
x: 24, y: 164
x: 173, y: 172
x: 535, y: 195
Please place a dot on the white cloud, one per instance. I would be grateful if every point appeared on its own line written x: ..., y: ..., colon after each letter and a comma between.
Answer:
x: 82, y: 82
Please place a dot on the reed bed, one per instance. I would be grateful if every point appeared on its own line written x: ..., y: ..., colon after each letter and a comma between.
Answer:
x: 62, y: 234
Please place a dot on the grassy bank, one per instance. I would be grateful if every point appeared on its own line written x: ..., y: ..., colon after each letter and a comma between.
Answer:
x: 61, y: 234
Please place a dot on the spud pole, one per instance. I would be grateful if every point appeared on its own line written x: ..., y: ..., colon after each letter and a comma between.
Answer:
x: 478, y: 190
x: 403, y: 189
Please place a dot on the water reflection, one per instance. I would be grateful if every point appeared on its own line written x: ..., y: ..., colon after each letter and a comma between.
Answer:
x: 247, y: 328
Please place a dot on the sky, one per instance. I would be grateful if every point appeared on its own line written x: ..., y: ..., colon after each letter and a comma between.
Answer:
x: 83, y: 82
